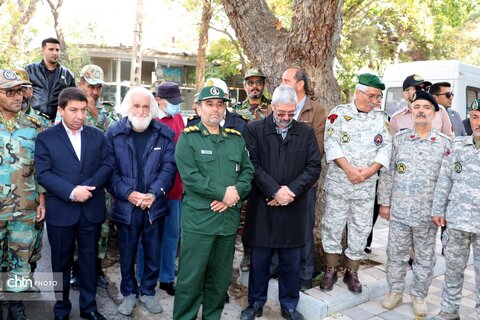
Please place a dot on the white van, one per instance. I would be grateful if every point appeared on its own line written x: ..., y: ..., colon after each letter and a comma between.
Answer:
x: 464, y: 78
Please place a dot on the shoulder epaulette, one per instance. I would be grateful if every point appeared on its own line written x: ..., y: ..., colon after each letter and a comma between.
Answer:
x: 191, y: 129
x: 441, y: 134
x: 34, y: 120
x: 232, y: 131
x: 191, y: 117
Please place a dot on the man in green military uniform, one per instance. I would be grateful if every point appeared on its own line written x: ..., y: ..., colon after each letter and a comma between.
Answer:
x: 21, y: 202
x: 217, y: 174
x: 256, y: 105
x: 100, y: 114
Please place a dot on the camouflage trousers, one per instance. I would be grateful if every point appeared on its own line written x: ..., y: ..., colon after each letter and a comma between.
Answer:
x: 20, y: 236
x: 400, y: 238
x: 357, y: 215
x: 457, y: 250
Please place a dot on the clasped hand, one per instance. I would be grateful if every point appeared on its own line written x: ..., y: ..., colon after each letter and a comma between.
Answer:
x: 142, y: 200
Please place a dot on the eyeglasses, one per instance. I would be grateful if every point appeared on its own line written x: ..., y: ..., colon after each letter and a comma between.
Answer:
x: 282, y: 114
x: 448, y: 95
x: 12, y: 92
x: 251, y: 83
x: 372, y: 96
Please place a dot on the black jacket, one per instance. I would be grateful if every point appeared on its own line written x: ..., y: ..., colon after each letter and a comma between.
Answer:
x: 45, y: 100
x: 294, y: 162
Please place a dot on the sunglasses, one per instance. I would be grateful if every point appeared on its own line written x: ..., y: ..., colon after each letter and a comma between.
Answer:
x: 446, y: 94
x: 12, y: 92
x: 251, y: 83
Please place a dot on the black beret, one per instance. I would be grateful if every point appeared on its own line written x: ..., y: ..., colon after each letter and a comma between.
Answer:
x: 424, y: 95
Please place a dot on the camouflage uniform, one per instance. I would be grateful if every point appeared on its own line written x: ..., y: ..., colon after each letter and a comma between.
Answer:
x: 19, y: 192
x: 456, y: 199
x: 362, y: 138
x: 246, y: 110
x: 407, y: 188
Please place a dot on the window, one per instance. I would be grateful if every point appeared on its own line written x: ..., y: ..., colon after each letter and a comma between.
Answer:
x: 472, y: 94
x: 394, y: 100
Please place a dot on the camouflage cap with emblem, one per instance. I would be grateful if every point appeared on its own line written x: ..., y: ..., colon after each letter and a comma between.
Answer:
x: 92, y: 74
x: 23, y: 75
x: 254, y: 73
x: 9, y: 79
x: 212, y: 92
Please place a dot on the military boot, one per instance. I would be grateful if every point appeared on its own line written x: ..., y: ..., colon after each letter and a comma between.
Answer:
x: 351, y: 276
x: 330, y: 276
x: 16, y: 311
x: 419, y: 306
x: 445, y: 316
x: 392, y: 300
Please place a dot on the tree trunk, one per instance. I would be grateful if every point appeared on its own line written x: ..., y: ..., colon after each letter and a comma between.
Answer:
x: 56, y: 9
x: 26, y: 15
x: 202, y: 44
x: 311, y: 43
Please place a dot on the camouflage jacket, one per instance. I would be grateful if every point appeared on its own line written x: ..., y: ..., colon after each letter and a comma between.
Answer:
x: 18, y: 188
x: 407, y: 187
x: 456, y: 194
x: 361, y: 138
x: 252, y: 113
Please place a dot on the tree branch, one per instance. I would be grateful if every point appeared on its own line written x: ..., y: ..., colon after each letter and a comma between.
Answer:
x: 238, y: 49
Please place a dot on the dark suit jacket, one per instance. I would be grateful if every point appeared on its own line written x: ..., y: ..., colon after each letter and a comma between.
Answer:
x: 294, y: 162
x: 59, y: 171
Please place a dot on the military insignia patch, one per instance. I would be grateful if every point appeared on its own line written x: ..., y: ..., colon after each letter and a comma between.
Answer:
x: 214, y: 91
x: 345, y: 138
x: 347, y: 118
x: 205, y: 132
x: 433, y: 138
x: 330, y: 131
x: 401, y: 168
x: 10, y: 75
x: 458, y: 167
x: 416, y: 77
x: 378, y: 140
x: 332, y: 117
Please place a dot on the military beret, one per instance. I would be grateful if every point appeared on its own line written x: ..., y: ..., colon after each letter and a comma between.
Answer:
x: 254, y: 73
x: 371, y: 80
x: 212, y: 92
x: 415, y: 80
x: 424, y: 95
x: 475, y: 105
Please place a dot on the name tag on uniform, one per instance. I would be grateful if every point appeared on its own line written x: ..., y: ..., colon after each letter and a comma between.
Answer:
x: 158, y: 148
x: 237, y: 167
x: 206, y: 152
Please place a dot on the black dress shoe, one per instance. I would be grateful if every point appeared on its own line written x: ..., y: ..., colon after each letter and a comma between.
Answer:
x: 253, y: 310
x: 61, y: 318
x: 169, y: 287
x: 94, y: 315
x: 291, y: 314
x: 74, y: 282
x: 102, y: 280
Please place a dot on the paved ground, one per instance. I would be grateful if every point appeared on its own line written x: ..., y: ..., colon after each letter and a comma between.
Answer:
x: 338, y: 304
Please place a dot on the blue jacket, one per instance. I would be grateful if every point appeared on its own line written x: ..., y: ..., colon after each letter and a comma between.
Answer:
x: 158, y: 164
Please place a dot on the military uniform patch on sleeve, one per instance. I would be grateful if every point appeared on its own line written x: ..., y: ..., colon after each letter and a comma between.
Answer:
x: 330, y: 131
x: 458, y: 167
x: 332, y: 117
x: 378, y: 140
x: 401, y: 168
x: 345, y: 138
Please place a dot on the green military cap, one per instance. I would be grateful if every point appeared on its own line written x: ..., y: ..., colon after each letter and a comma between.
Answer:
x: 371, y: 80
x: 212, y: 92
x: 475, y: 105
x: 254, y: 73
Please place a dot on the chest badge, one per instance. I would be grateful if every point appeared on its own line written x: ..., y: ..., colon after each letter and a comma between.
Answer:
x: 458, y: 167
x: 347, y: 118
x: 401, y: 168
x: 345, y: 138
x: 330, y: 131
x: 378, y: 140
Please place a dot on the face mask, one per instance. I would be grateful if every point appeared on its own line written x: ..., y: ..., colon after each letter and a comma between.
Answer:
x: 172, y: 109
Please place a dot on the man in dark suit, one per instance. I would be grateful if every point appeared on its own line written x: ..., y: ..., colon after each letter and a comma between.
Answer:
x: 72, y: 165
x: 286, y: 158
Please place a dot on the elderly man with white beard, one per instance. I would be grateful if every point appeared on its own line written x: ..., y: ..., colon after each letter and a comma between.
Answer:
x: 142, y: 151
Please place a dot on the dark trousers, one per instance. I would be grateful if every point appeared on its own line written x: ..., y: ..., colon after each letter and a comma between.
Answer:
x: 62, y: 243
x: 307, y: 261
x: 128, y: 239
x: 288, y: 280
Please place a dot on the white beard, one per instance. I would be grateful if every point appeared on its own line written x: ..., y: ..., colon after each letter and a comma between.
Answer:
x: 140, y: 124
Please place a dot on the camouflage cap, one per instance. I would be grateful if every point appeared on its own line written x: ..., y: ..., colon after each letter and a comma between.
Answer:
x: 254, y: 73
x: 371, y: 80
x: 92, y: 74
x: 9, y: 79
x: 475, y: 105
x: 212, y: 92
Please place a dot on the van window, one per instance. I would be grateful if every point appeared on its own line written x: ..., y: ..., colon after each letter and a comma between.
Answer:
x: 394, y: 100
x: 473, y: 93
